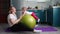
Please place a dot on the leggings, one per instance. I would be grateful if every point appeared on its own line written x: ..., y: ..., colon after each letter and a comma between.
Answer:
x: 20, y: 27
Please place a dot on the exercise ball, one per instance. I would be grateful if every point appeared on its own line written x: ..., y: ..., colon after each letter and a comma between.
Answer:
x: 28, y: 21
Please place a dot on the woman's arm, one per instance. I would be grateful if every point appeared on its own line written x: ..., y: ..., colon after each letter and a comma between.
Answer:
x: 16, y: 21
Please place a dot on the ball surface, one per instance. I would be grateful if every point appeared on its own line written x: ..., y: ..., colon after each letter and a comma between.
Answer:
x: 28, y: 21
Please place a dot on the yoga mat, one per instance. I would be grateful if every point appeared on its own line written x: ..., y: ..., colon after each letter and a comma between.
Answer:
x: 46, y: 29
x: 41, y: 29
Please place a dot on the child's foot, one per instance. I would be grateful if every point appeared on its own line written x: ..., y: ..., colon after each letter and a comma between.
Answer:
x: 36, y: 25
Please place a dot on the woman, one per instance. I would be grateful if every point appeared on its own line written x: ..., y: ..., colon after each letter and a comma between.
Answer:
x: 14, y: 22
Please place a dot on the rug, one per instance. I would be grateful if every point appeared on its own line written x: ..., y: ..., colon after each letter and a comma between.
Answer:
x: 46, y: 28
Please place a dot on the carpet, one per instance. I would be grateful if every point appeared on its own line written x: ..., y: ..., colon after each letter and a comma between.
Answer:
x: 46, y: 29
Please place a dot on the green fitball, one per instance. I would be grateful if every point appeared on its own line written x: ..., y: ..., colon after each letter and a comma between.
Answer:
x: 28, y: 21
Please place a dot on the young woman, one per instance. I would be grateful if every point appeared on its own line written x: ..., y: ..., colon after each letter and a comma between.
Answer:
x: 15, y: 24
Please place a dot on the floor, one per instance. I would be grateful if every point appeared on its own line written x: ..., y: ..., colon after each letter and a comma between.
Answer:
x: 4, y: 26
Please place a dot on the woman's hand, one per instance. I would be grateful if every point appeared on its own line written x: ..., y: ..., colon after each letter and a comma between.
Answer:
x: 22, y: 16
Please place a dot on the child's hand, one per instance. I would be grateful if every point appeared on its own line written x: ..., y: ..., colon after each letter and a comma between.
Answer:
x: 23, y: 14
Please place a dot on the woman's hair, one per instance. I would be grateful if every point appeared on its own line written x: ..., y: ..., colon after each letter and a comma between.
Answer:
x: 10, y: 8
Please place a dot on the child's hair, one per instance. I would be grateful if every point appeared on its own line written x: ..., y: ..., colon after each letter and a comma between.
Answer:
x: 24, y: 7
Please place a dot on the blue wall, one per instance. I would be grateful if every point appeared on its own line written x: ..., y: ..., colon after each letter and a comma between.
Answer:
x: 56, y: 17
x: 40, y: 14
x: 50, y: 16
x: 53, y: 16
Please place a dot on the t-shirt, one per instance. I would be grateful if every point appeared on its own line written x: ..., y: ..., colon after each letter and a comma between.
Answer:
x: 11, y: 16
x: 32, y: 14
x: 27, y: 12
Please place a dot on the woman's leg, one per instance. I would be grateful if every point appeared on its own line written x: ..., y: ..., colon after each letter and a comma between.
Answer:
x: 20, y: 27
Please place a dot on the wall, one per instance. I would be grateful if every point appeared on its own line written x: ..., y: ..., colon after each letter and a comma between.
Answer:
x: 30, y: 4
x: 42, y: 5
x: 33, y: 4
x: 54, y: 1
x: 20, y: 3
x: 4, y: 5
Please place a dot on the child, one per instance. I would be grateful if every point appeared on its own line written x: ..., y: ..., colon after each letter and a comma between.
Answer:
x: 24, y: 9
